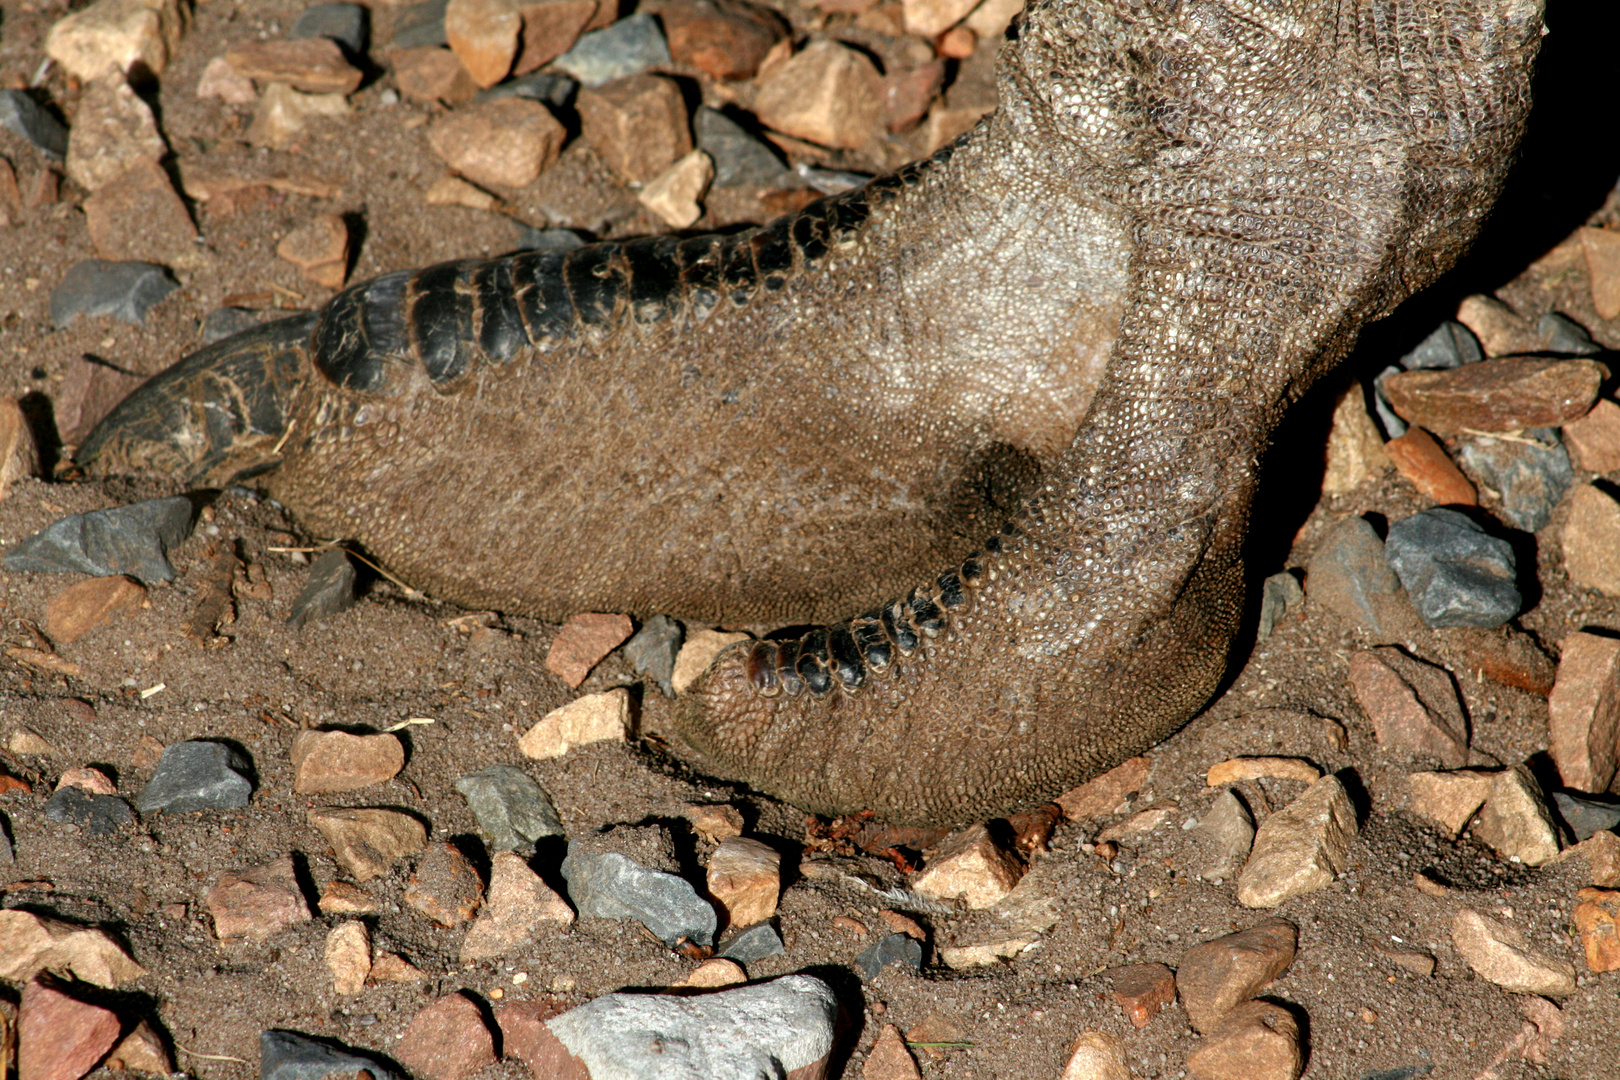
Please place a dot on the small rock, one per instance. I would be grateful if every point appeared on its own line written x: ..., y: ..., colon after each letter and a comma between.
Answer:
x: 516, y: 907
x: 348, y: 956
x: 484, y: 34
x: 327, y: 761
x: 675, y: 194
x: 628, y: 47
x: 1142, y: 990
x: 1418, y: 963
x: 1456, y: 573
x: 929, y: 19
x: 23, y: 741
x: 714, y: 823
x: 80, y: 608
x: 781, y: 1028
x: 828, y: 94
x: 739, y: 158
x: 1236, y: 770
x: 1602, y: 250
x: 560, y: 242
x: 287, y: 1055
x: 744, y: 879
x: 113, y: 129
x: 220, y: 80
x: 445, y: 887
x: 638, y: 125
x: 319, y: 249
x: 1507, y: 394
x: 754, y: 944
x: 133, y: 37
x: 1097, y: 1055
x: 1105, y: 794
x: 1530, y: 476
x: 1583, y: 712
x: 582, y: 642
x: 1300, y: 848
x: 342, y: 23
x: 1597, y: 920
x: 87, y: 779
x: 284, y: 112
x: 454, y: 191
x: 31, y: 943
x: 1586, y: 817
x: 548, y: 88
x: 142, y: 1050
x: 1593, y: 441
x: 420, y: 26
x: 1277, y: 595
x: 313, y: 65
x: 257, y: 903
x: 512, y: 810
x: 1218, y: 975
x: 988, y: 954
x: 133, y: 540
x: 1143, y: 821
x: 432, y: 75
x: 387, y: 967
x: 448, y: 1040
x: 969, y: 866
x: 225, y: 322
x: 551, y: 28
x: 504, y: 143
x: 341, y: 898
x: 367, y: 841
x: 1591, y: 557
x: 899, y: 949
x: 125, y: 290
x: 908, y: 94
x: 711, y: 975
x: 1350, y: 575
x: 1500, y: 954
x: 197, y: 775
x: 19, y: 451
x: 1602, y: 854
x: 27, y: 119
x: 138, y: 216
x: 1449, y: 798
x: 1500, y: 329
x: 1255, y: 1041
x: 328, y: 590
x: 701, y: 647
x: 608, y: 885
x: 1450, y: 345
x: 60, y: 1037
x: 1425, y: 463
x: 592, y: 718
x: 1515, y: 820
x: 889, y: 1059
x: 523, y: 1029
x: 1565, y: 336
x: 1413, y: 705
x: 148, y: 752
x: 725, y: 39
x: 1224, y: 837
x: 1355, y: 449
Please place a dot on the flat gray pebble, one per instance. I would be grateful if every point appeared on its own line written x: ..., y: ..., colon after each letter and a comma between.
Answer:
x: 1565, y: 336
x: 1531, y: 477
x: 1350, y: 574
x: 1456, y: 573
x: 98, y: 815
x: 225, y: 322
x: 1278, y: 593
x: 753, y: 944
x: 134, y: 540
x: 628, y: 47
x: 289, y: 1055
x: 551, y: 241
x: 124, y: 290
x: 512, y: 810
x: 26, y: 118
x: 608, y: 885
x: 739, y: 158
x: 420, y: 26
x: 329, y: 589
x: 1586, y: 817
x: 1451, y: 344
x: 342, y: 23
x: 651, y: 651
x: 899, y: 949
x: 196, y: 775
x: 555, y: 90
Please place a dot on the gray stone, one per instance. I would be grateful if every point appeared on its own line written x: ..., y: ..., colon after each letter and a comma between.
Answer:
x: 1456, y: 573
x: 899, y: 949
x: 1450, y: 345
x: 1279, y: 593
x: 1585, y: 815
x: 342, y: 23
x: 608, y: 885
x: 134, y: 540
x: 780, y: 1028
x: 512, y: 810
x: 556, y: 91
x: 628, y: 47
x: 124, y: 290
x: 1390, y: 424
x: 329, y: 590
x: 1223, y: 837
x: 1350, y: 575
x: 1565, y: 336
x: 652, y: 650
x: 99, y: 815
x: 1530, y: 476
x: 739, y: 158
x: 225, y: 322
x: 554, y: 241
x: 1405, y: 1072
x: 196, y: 775
x: 755, y: 943
x: 289, y: 1055
x: 421, y: 26
x: 28, y: 119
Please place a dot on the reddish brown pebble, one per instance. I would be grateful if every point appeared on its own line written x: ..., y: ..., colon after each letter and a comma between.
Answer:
x: 1602, y: 250
x: 1508, y: 394
x: 907, y: 95
x: 1505, y: 656
x: 87, y: 393
x: 327, y: 761
x: 447, y: 1040
x: 551, y: 27
x: 1601, y: 852
x: 1217, y: 975
x: 1255, y: 1041
x: 1501, y: 330
x: 523, y: 1033
x: 484, y: 34
x: 1591, y: 557
x: 638, y: 125
x: 432, y: 75
x: 1583, y: 712
x: 257, y: 903
x: 1594, y: 439
x: 903, y: 924
x: 714, y: 823
x: 138, y: 216
x: 582, y: 643
x: 319, y: 249
x: 1597, y: 919
x: 889, y: 1059
x: 1413, y: 705
x: 60, y: 1037
x: 87, y: 778
x: 957, y: 43
x: 828, y: 94
x: 445, y: 886
x: 80, y: 608
x: 1142, y: 990
x: 312, y: 65
x: 367, y: 840
x: 1424, y: 462
x: 506, y: 143
x: 1104, y: 794
x: 725, y: 39
x: 853, y: 927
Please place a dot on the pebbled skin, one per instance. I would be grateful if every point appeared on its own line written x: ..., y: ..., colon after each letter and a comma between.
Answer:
x: 1072, y: 332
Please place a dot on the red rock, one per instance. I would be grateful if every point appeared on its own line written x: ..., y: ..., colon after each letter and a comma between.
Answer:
x: 931, y: 18
x: 327, y: 761
x: 1597, y: 919
x: 1425, y: 463
x: 1602, y: 250
x: 432, y: 75
x: 957, y: 43
x: 1501, y: 330
x: 505, y: 143
x: 523, y: 1031
x: 1218, y: 975
x: 320, y: 250
x: 454, y: 191
x: 1583, y: 712
x: 903, y: 924
x: 744, y: 878
x: 714, y: 823
x: 1506, y: 394
x: 138, y: 216
x: 113, y: 129
x: 1413, y: 705
x: 1594, y: 439
x: 889, y: 1059
x: 448, y: 1040
x: 445, y: 886
x: 257, y: 903
x: 1591, y: 557
x: 312, y: 65
x: 637, y: 125
x: 725, y: 39
x: 1142, y: 990
x: 517, y: 905
x: 551, y: 28
x: 387, y: 967
x: 59, y: 1037
x: 583, y: 642
x: 828, y: 94
x: 46, y: 190
x: 1504, y: 656
x: 484, y: 33
x: 907, y: 95
x: 80, y: 608
x: 1103, y: 795
x: 1256, y: 1041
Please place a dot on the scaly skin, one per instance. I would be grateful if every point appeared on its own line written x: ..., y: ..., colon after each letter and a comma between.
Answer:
x: 1212, y: 196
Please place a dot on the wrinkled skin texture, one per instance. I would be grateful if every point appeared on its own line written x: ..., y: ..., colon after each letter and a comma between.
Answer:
x: 1073, y: 332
